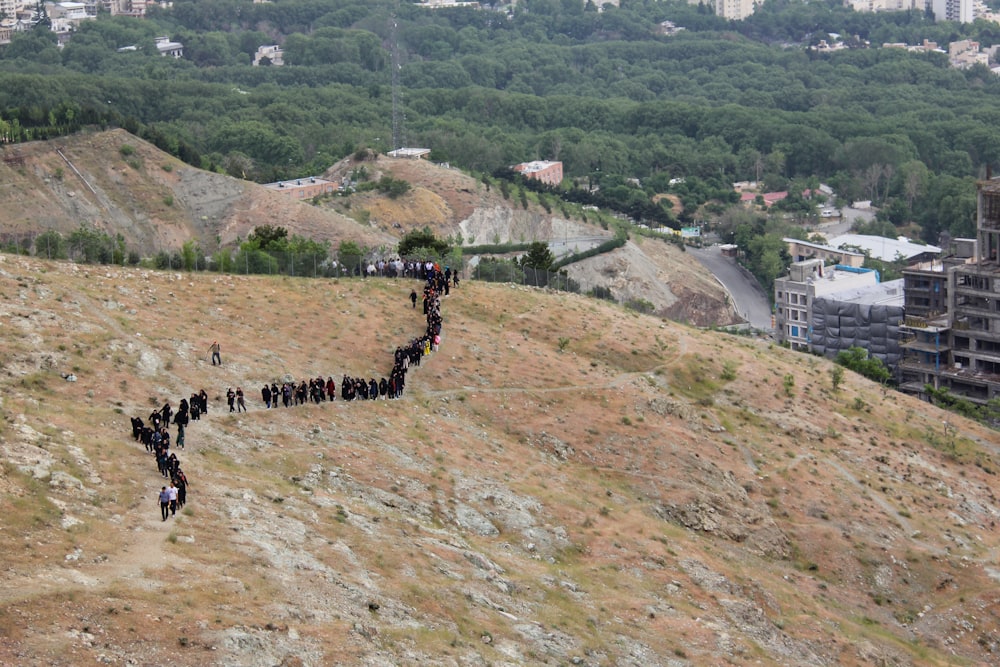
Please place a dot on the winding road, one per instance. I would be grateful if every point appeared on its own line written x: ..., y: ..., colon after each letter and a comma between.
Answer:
x: 749, y: 300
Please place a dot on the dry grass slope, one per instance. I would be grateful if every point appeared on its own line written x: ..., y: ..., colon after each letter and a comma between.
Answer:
x: 563, y: 483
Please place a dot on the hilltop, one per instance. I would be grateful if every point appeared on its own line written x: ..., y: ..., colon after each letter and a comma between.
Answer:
x: 121, y: 185
x: 564, y: 482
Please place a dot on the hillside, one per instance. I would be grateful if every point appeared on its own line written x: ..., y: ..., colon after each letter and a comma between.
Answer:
x: 120, y: 184
x: 564, y: 482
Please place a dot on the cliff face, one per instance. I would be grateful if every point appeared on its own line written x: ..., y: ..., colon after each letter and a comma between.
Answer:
x: 562, y: 482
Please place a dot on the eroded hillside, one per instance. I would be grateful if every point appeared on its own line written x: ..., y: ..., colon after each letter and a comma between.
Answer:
x: 563, y: 482
x: 119, y: 184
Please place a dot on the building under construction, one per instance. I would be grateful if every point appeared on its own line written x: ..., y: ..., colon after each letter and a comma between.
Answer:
x: 951, y: 336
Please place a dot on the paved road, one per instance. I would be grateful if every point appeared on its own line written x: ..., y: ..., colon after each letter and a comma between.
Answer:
x: 748, y: 298
x: 567, y: 246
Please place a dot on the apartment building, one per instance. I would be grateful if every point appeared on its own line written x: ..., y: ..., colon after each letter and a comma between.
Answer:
x: 795, y: 297
x: 959, y: 11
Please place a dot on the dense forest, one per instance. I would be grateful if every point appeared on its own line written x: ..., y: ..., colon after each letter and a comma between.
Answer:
x: 603, y: 91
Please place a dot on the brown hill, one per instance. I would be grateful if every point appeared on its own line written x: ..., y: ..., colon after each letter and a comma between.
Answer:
x: 122, y: 185
x: 563, y: 482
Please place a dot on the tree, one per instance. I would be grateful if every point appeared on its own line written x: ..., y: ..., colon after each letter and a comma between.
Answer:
x: 858, y: 360
x: 50, y: 245
x: 836, y: 376
x: 349, y: 255
x: 422, y: 238
x: 266, y: 237
x: 538, y: 257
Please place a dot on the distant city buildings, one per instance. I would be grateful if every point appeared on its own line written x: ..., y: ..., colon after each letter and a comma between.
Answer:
x: 735, y: 10
x: 884, y: 5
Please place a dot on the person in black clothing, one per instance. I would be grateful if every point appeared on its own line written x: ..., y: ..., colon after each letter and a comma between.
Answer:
x: 180, y: 481
x: 265, y: 393
x: 231, y: 399
x: 413, y: 298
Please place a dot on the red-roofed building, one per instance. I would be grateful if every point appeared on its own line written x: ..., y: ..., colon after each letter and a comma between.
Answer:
x: 772, y: 198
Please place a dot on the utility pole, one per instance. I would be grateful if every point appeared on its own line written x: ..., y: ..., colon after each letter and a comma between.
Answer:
x: 398, y: 138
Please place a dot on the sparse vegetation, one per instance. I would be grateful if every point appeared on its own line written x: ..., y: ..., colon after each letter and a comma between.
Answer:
x: 509, y: 470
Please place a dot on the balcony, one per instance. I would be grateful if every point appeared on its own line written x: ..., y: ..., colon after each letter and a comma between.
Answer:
x: 923, y: 345
x: 916, y: 365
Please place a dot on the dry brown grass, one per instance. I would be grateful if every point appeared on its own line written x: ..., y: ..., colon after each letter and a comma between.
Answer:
x: 641, y: 479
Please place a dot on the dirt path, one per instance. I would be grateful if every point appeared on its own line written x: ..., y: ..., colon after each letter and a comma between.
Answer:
x: 142, y: 551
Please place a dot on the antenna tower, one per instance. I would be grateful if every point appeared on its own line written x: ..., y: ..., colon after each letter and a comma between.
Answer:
x: 398, y: 134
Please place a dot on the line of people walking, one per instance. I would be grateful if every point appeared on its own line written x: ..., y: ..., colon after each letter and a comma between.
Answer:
x: 317, y: 390
x: 155, y: 437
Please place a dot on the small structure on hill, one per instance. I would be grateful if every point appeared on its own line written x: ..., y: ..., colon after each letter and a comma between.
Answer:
x: 410, y: 153
x: 303, y: 188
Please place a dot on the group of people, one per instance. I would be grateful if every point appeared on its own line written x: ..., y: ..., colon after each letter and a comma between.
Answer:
x: 399, y: 268
x: 236, y: 400
x: 318, y: 390
x: 155, y: 437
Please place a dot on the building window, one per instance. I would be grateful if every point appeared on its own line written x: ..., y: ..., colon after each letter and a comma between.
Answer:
x: 794, y: 331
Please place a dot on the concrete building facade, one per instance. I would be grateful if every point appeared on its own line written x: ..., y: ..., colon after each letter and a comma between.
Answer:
x: 959, y: 350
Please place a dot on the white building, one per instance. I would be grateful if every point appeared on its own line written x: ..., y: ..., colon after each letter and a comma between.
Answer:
x: 959, y: 11
x: 168, y: 48
x: 884, y: 5
x: 272, y: 52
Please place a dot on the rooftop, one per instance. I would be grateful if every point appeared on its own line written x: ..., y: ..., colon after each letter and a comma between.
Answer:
x: 887, y: 250
x: 297, y: 183
x: 535, y: 165
x: 889, y: 293
x: 819, y: 246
